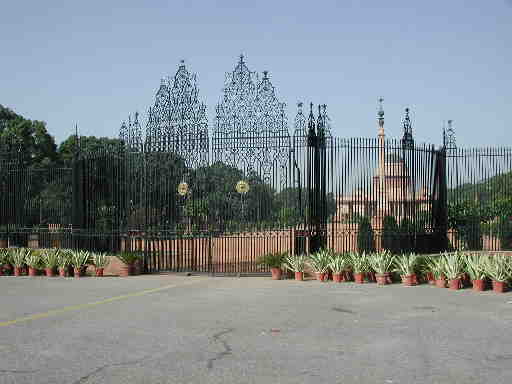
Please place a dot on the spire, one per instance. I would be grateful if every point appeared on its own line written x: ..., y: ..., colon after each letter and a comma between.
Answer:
x: 407, y: 139
x: 449, y: 141
x: 380, y: 117
x: 311, y: 121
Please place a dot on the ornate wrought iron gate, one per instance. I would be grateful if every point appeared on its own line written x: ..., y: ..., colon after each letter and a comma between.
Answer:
x: 213, y: 203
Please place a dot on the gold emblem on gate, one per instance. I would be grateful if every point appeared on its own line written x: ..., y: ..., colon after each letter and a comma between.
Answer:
x: 182, y: 188
x: 242, y: 187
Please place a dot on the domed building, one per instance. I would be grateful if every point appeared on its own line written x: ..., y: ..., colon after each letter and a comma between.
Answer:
x: 391, y: 190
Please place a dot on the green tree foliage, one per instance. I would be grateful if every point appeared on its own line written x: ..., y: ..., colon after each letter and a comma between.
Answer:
x: 214, y: 199
x: 365, y: 236
x: 390, y: 234
x: 26, y: 140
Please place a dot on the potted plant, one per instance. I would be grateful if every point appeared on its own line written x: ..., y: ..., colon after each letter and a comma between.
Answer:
x: 453, y: 269
x: 407, y: 266
x: 475, y: 267
x: 100, y: 260
x: 79, y: 259
x: 426, y: 266
x: 128, y: 260
x: 50, y: 260
x: 498, y: 268
x: 18, y: 257
x: 34, y: 262
x: 437, y: 267
x: 4, y: 260
x: 319, y: 263
x: 297, y: 264
x: 64, y: 262
x: 360, y: 265
x: 338, y: 265
x: 382, y: 263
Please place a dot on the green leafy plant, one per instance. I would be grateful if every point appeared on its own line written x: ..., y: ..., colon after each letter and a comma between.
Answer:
x: 80, y: 258
x: 453, y: 266
x: 319, y: 261
x: 128, y: 258
x: 339, y: 262
x: 50, y: 257
x: 295, y: 263
x: 18, y: 256
x: 101, y: 260
x: 407, y: 264
x: 498, y: 267
x: 360, y: 262
x: 436, y: 266
x: 4, y: 257
x: 382, y: 262
x: 272, y: 260
x: 64, y: 258
x: 476, y: 266
x: 34, y: 259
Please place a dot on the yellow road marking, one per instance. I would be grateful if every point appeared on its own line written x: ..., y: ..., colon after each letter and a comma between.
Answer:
x: 86, y: 305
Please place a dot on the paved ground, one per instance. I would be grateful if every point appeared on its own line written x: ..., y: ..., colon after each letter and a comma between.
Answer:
x: 177, y: 329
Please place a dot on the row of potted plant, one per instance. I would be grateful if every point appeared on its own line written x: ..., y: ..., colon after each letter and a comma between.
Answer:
x: 65, y: 262
x: 456, y: 270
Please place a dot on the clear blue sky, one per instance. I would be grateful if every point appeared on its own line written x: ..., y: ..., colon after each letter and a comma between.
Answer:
x: 93, y: 62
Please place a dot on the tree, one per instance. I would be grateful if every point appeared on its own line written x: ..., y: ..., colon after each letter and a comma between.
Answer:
x: 365, y: 236
x: 390, y: 234
x: 407, y: 230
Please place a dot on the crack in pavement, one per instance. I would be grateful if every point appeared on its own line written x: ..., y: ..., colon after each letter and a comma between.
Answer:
x: 16, y: 371
x: 84, y: 378
x: 227, y: 348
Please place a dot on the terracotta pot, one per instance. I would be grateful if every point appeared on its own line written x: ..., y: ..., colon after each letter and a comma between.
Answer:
x: 276, y: 273
x: 321, y: 276
x: 7, y: 269
x: 63, y: 272
x: 299, y: 276
x: 50, y: 272
x: 454, y: 284
x: 77, y: 272
x: 1, y: 270
x: 466, y: 280
x: 359, y: 278
x: 409, y: 280
x: 430, y: 278
x: 32, y: 271
x: 383, y: 278
x: 99, y: 272
x: 479, y: 285
x: 440, y: 283
x: 499, y: 286
x: 18, y: 271
x: 127, y: 270
x: 337, y: 277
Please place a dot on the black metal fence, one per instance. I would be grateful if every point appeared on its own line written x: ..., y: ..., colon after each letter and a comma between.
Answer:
x: 191, y: 201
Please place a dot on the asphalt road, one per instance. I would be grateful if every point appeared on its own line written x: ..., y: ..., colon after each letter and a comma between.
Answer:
x: 177, y: 329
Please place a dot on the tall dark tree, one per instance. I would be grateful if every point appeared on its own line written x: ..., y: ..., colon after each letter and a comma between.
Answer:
x: 390, y: 234
x: 365, y: 236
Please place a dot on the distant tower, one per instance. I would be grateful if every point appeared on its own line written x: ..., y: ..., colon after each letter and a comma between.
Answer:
x: 382, y: 153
